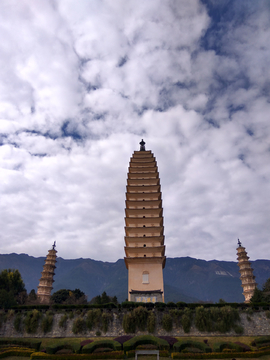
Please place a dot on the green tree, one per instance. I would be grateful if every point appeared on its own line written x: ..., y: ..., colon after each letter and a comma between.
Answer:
x: 257, y: 296
x: 6, y: 299
x: 12, y: 288
x: 32, y: 296
x: 69, y: 297
x: 266, y: 290
x: 11, y: 281
x: 60, y: 296
x: 105, y: 299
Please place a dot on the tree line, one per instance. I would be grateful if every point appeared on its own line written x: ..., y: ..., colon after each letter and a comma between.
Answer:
x: 13, y: 292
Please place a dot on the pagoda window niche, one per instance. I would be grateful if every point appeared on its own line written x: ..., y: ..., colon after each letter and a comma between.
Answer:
x: 145, y: 277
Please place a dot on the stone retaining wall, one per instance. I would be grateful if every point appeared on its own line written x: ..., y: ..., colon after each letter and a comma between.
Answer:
x: 253, y: 324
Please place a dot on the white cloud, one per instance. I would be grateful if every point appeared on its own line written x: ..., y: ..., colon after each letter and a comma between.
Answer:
x: 83, y: 82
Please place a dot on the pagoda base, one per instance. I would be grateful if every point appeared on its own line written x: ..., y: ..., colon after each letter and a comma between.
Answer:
x: 151, y: 296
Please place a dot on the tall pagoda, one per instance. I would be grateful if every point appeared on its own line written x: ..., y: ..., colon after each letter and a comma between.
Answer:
x: 46, y: 280
x: 246, y: 271
x: 144, y: 238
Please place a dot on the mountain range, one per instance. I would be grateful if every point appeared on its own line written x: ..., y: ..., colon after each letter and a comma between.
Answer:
x: 185, y: 278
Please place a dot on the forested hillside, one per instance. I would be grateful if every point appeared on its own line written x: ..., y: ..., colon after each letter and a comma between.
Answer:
x: 186, y: 279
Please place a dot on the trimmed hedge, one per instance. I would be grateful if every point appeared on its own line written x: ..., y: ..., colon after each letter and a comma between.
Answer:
x: 53, y: 349
x: 181, y: 345
x: 223, y: 355
x: 14, y: 352
x: 110, y: 355
x: 32, y: 344
x: 132, y: 305
x: 220, y: 346
x: 145, y: 339
x: 261, y: 341
x: 84, y: 306
x: 89, y: 348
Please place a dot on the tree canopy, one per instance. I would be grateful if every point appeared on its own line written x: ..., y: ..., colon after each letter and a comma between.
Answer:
x: 12, y: 288
x: 104, y: 299
x: 262, y: 295
x: 67, y: 296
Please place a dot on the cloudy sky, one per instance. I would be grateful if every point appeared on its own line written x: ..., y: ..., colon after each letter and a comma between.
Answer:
x: 82, y: 82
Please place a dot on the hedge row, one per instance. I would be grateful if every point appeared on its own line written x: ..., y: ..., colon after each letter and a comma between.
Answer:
x: 33, y: 344
x: 14, y: 352
x: 181, y: 345
x: 145, y: 339
x: 89, y: 348
x: 132, y: 305
x: 220, y: 346
x: 107, y: 355
x: 261, y: 341
x: 219, y: 355
x: 53, y: 349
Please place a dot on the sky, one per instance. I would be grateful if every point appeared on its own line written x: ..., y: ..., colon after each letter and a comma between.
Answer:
x: 82, y: 82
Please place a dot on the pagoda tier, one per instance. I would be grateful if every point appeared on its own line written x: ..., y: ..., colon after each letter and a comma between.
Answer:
x: 246, y: 271
x: 46, y: 280
x: 144, y: 240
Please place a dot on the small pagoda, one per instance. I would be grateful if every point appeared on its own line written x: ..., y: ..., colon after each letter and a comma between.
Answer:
x: 246, y: 271
x: 46, y: 280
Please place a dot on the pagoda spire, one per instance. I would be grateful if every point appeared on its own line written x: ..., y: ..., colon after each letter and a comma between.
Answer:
x: 46, y: 280
x: 246, y: 271
x: 142, y: 147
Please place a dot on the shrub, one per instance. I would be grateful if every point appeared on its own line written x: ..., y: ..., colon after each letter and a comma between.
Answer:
x: 176, y: 314
x: 151, y: 322
x: 243, y: 346
x: 111, y: 355
x: 78, y: 325
x: 181, y: 345
x: 167, y: 323
x: 10, y: 313
x: 145, y: 339
x: 85, y: 342
x: 261, y: 341
x: 238, y: 329
x: 140, y: 314
x: 89, y: 348
x: 63, y: 321
x: 170, y: 340
x: 47, y: 323
x: 18, y: 322
x: 33, y: 344
x: 221, y: 319
x: 93, y: 318
x: 203, y: 321
x: 123, y: 338
x: 129, y: 323
x: 160, y: 306
x: 186, y: 320
x: 57, y: 347
x: 220, y: 346
x: 106, y: 318
x: 267, y: 314
x: 31, y: 321
x: 71, y: 315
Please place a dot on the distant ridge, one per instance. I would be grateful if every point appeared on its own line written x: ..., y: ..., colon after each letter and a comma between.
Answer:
x: 186, y: 279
